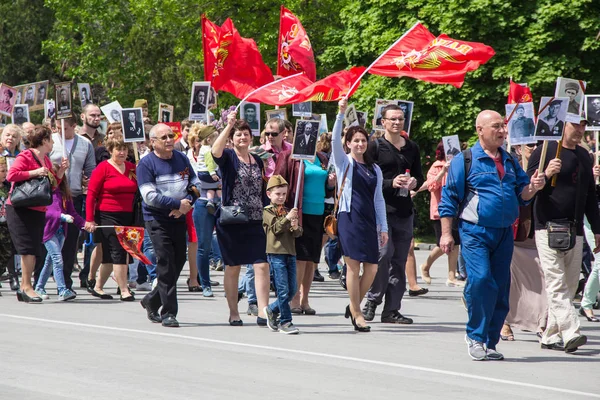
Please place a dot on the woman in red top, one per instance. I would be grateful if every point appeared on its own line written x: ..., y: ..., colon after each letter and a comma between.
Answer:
x: 26, y: 224
x: 110, y: 197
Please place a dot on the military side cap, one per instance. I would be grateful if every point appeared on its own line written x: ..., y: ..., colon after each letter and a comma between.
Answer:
x: 140, y: 103
x: 276, y: 180
x: 206, y: 132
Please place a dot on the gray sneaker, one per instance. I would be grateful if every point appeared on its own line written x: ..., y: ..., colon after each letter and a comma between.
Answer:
x: 493, y: 355
x: 475, y: 349
x: 271, y: 320
x: 289, y: 329
x: 252, y: 309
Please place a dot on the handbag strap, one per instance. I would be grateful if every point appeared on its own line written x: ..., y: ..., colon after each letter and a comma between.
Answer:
x: 339, y: 193
x: 35, y: 157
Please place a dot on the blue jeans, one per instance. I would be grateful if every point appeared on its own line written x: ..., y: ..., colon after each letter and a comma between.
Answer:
x: 487, y: 253
x: 246, y: 284
x: 148, y: 250
x: 284, y: 274
x: 215, y: 252
x: 54, y: 261
x: 333, y: 253
x: 205, y: 225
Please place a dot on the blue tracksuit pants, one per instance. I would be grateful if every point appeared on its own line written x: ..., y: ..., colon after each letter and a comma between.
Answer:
x: 487, y: 253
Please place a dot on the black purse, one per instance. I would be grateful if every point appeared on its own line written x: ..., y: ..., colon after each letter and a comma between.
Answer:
x: 561, y: 235
x: 232, y: 215
x: 34, y: 192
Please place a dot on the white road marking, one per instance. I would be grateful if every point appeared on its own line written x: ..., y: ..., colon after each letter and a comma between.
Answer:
x: 312, y: 353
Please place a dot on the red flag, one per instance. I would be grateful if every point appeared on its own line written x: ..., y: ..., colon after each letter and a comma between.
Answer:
x: 176, y: 128
x: 132, y: 238
x: 298, y: 89
x: 239, y: 67
x: 420, y: 55
x: 295, y: 52
x: 210, y: 45
x: 519, y: 93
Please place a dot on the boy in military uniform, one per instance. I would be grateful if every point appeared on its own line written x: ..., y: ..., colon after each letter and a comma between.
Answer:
x: 282, y: 229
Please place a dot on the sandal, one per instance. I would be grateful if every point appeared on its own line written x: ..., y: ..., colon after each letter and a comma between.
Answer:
x: 308, y: 311
x: 507, y: 334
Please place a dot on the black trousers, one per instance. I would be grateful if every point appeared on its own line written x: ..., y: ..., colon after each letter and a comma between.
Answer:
x: 69, y: 250
x: 170, y: 247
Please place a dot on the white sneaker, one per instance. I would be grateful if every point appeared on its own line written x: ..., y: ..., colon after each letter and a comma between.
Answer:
x: 154, y: 283
x: 144, y: 287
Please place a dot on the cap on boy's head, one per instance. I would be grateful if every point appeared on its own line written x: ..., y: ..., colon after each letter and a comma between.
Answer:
x: 140, y: 103
x: 275, y: 181
x: 206, y: 132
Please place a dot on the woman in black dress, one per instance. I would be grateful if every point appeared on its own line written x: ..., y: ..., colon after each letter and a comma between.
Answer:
x: 362, y: 224
x: 242, y: 243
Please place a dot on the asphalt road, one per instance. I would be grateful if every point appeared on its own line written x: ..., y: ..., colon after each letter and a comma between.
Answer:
x: 95, y: 349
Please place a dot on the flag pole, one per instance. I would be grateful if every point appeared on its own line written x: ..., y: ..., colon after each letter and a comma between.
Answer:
x: 379, y: 58
x: 265, y: 86
x: 64, y: 144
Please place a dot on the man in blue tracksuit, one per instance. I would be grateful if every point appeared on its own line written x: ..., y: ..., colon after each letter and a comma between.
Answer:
x: 486, y: 203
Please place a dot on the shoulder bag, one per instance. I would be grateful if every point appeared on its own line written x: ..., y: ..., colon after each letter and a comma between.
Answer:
x: 330, y: 223
x: 33, y: 192
x: 562, y: 234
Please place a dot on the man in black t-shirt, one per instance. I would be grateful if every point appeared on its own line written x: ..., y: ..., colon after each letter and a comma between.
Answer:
x: 395, y: 154
x: 573, y: 196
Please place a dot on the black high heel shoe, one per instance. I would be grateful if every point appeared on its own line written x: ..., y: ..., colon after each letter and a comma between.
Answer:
x: 22, y: 296
x: 591, y: 319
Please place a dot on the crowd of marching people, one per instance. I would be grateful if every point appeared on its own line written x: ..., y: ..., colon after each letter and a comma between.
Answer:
x: 217, y: 201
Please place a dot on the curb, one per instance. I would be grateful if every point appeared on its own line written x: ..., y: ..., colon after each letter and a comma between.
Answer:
x: 424, y: 246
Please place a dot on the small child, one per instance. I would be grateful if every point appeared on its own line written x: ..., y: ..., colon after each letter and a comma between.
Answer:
x: 59, y: 213
x: 207, y: 169
x: 6, y: 246
x: 282, y: 229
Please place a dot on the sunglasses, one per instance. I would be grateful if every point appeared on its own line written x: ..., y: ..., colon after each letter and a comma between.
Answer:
x: 164, y: 138
x: 272, y: 134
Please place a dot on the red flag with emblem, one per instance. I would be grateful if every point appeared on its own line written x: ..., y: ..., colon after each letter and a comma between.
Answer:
x: 295, y: 53
x: 210, y: 45
x: 419, y: 54
x: 519, y: 93
x: 281, y: 91
x: 239, y: 67
x: 176, y: 128
x: 132, y: 238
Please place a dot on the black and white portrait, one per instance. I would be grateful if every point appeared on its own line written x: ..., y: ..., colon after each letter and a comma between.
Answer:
x: 451, y: 146
x: 199, y: 101
x: 251, y: 113
x: 112, y: 111
x: 20, y: 114
x: 574, y: 90
x: 305, y: 140
x: 302, y: 109
x: 85, y: 94
x: 133, y: 125
x: 63, y: 100
x: 41, y: 95
x: 379, y: 104
x: 212, y: 98
x: 280, y: 113
x: 592, y: 111
x: 49, y: 109
x: 29, y: 95
x: 350, y: 116
x: 551, y: 118
x: 19, y: 95
x: 520, y: 122
x: 362, y: 118
x: 165, y: 112
x: 407, y: 109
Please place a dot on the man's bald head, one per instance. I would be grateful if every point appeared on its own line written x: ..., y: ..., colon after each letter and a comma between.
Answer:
x: 491, y: 130
x: 28, y: 128
x: 484, y: 117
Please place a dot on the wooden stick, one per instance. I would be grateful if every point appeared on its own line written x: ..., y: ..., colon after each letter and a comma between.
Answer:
x: 596, y: 135
x: 300, y: 172
x: 135, y: 152
x: 524, y: 160
x: 64, y: 144
x: 543, y: 156
x: 558, y: 150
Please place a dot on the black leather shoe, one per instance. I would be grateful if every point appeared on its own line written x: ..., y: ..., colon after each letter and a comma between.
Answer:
x: 153, y: 315
x: 128, y: 298
x: 22, y: 296
x: 334, y: 275
x: 420, y: 292
x: 83, y: 283
x: 553, y: 346
x: 91, y: 284
x: 214, y: 283
x: 318, y: 277
x: 14, y: 283
x: 169, y: 321
x: 369, y: 310
x: 396, y: 318
x: 574, y: 343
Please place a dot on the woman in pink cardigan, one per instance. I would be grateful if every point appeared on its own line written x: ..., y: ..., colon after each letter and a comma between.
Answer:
x: 436, y: 179
x: 26, y: 224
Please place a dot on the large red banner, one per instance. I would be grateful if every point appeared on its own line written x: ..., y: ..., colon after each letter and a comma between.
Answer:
x: 295, y: 53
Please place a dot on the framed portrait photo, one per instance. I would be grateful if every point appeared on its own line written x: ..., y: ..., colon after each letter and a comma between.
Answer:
x: 112, y: 111
x: 350, y: 116
x: 132, y: 121
x: 20, y: 114
x: 574, y: 90
x: 165, y: 112
x: 407, y: 109
x: 280, y: 114
x: 20, y: 90
x: 362, y: 118
x: 199, y: 101
x: 85, y: 94
x: 520, y: 119
x: 305, y: 140
x: 551, y: 118
x: 592, y: 112
x: 29, y: 93
x: 49, y: 109
x: 251, y: 113
x: 302, y: 109
x: 8, y: 97
x: 379, y: 104
x: 451, y: 146
x: 41, y: 94
x: 212, y: 98
x: 63, y: 100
